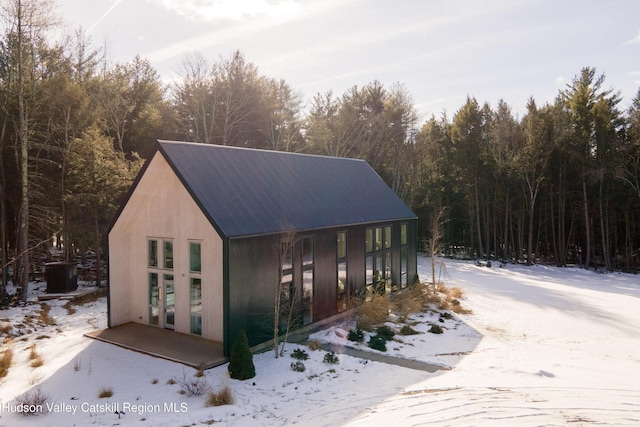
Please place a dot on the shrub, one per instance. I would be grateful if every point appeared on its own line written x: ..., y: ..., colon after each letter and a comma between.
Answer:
x: 241, y: 360
x: 315, y: 345
x: 105, y: 392
x: 385, y: 332
x: 36, y: 360
x: 193, y: 386
x: 378, y: 343
x: 411, y: 300
x: 408, y: 330
x: 435, y: 329
x: 5, y: 362
x: 299, y: 354
x: 222, y: 397
x: 373, y: 312
x: 298, y: 366
x: 34, y: 402
x: 357, y: 335
x: 331, y: 358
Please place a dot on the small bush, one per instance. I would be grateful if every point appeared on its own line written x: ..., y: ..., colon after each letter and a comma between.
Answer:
x: 105, y: 392
x: 34, y: 401
x: 171, y: 381
x: 154, y: 381
x: 5, y: 327
x: 435, y: 329
x: 411, y: 300
x: 44, y: 318
x: 298, y: 366
x: 315, y: 345
x: 373, y: 312
x: 378, y: 343
x: 37, y: 362
x: 446, y: 315
x: 357, y: 335
x: 222, y: 397
x: 199, y: 373
x: 241, y: 360
x: 385, y: 332
x: 300, y: 354
x: 331, y: 358
x: 5, y: 362
x: 193, y: 387
x: 34, y: 357
x: 408, y: 330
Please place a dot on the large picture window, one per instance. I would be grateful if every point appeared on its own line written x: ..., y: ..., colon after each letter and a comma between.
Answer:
x: 342, y: 290
x: 378, y: 274
x: 404, y: 250
x: 307, y: 279
x: 196, y: 306
x: 195, y: 261
x: 167, y: 254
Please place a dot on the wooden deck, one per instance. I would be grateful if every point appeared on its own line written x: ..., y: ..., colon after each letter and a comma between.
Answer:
x: 186, y: 349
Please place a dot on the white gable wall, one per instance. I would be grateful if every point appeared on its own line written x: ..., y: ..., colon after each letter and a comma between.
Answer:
x: 161, y: 208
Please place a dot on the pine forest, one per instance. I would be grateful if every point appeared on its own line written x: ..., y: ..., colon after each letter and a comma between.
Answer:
x: 559, y: 185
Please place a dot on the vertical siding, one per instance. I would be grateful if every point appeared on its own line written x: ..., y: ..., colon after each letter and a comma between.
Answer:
x: 254, y: 273
x: 161, y: 208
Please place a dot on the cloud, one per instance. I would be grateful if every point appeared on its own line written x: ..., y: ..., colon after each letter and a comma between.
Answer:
x: 634, y: 40
x: 233, y: 10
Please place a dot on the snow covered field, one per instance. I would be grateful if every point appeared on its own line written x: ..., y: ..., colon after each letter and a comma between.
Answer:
x: 544, y: 346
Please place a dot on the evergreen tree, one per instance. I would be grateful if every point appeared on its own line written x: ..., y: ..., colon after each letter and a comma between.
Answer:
x: 241, y: 360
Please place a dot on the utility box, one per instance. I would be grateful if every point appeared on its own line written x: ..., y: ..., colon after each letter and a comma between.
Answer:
x: 61, y: 277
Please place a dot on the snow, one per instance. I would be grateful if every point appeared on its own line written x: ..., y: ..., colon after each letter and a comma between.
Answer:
x: 544, y: 346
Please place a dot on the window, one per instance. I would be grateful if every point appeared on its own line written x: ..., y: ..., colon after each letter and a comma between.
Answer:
x: 307, y: 251
x: 369, y: 240
x: 153, y: 253
x: 307, y: 280
x: 342, y: 244
x: 287, y: 291
x: 342, y: 286
x: 387, y: 237
x: 342, y: 271
x: 153, y: 298
x: 403, y: 234
x: 167, y: 254
x: 194, y: 257
x: 378, y: 238
x: 196, y: 306
x: 378, y: 261
x: 403, y: 255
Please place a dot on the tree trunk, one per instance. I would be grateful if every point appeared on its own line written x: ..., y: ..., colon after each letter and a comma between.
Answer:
x: 478, y: 223
x: 505, y: 240
x: 587, y: 227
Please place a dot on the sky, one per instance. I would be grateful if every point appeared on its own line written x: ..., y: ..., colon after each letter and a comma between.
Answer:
x: 440, y: 51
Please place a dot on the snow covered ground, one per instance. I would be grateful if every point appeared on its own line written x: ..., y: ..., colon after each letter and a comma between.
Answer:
x: 544, y: 346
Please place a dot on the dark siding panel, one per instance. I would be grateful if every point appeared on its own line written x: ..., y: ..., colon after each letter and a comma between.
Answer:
x: 253, y: 273
x: 325, y: 274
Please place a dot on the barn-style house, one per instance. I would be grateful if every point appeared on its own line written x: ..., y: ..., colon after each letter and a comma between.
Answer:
x: 207, y: 233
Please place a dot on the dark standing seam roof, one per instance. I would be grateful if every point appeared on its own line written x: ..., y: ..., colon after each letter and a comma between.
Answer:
x: 251, y: 192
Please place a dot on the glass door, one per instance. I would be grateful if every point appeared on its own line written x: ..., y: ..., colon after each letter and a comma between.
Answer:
x: 153, y: 298
x: 169, y: 301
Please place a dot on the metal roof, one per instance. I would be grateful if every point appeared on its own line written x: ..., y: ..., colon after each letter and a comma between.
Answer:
x: 251, y: 192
